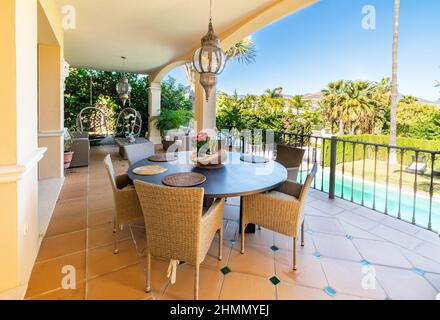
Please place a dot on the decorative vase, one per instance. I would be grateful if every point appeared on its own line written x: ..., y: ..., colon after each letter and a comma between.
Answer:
x: 68, y: 156
x: 210, y: 160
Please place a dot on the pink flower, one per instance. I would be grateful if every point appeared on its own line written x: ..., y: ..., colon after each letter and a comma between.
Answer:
x: 201, y: 137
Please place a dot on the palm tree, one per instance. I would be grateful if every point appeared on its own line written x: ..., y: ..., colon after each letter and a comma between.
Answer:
x: 274, y: 93
x: 333, y: 103
x: 298, y: 103
x: 243, y: 51
x: 394, y: 95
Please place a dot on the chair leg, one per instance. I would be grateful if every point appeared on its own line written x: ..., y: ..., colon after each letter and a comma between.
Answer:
x: 294, y: 254
x: 114, y: 224
x: 302, y: 235
x: 116, y: 249
x: 196, y: 282
x: 148, y: 274
x: 243, y: 231
x: 220, y: 245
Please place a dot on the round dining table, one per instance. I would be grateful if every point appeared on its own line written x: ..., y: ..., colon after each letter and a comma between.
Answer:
x: 236, y: 178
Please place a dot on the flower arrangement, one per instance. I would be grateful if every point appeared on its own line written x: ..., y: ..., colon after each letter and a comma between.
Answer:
x: 209, y: 150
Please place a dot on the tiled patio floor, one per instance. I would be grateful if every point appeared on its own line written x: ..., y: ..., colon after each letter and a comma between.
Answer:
x: 350, y: 253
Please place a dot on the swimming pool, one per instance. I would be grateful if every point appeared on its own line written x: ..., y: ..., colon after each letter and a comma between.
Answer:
x: 380, y: 199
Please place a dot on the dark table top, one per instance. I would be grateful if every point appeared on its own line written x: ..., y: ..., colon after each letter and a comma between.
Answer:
x: 236, y: 178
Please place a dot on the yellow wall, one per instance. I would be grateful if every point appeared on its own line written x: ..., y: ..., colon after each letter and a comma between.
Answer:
x: 50, y: 110
x: 8, y: 150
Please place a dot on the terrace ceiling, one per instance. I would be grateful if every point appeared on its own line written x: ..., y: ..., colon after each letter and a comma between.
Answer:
x: 155, y: 33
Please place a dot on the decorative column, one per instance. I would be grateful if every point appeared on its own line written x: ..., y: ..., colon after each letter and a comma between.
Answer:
x: 154, y: 100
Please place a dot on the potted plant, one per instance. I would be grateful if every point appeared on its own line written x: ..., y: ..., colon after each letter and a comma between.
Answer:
x: 169, y: 120
x: 68, y: 154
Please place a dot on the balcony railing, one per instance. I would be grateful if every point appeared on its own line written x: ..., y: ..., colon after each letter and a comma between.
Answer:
x: 397, y: 181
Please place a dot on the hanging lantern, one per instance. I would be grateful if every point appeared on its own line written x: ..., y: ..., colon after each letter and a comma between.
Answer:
x: 123, y: 88
x: 209, y: 60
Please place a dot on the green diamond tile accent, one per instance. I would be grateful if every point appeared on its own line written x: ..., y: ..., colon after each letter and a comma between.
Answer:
x: 275, y: 281
x: 225, y: 270
x: 274, y: 248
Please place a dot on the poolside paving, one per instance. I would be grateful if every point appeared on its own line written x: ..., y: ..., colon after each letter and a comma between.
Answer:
x: 351, y: 253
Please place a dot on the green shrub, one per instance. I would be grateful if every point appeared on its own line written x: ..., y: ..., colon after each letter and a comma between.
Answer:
x: 172, y: 119
x: 382, y: 152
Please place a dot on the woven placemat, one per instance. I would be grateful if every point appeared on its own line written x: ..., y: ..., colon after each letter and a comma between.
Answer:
x: 150, y: 170
x: 253, y: 159
x: 163, y: 157
x: 186, y: 179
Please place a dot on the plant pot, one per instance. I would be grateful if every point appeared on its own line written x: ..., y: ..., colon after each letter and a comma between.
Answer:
x: 68, y: 156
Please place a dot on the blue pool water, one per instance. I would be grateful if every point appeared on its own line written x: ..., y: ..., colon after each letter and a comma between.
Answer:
x: 409, y: 206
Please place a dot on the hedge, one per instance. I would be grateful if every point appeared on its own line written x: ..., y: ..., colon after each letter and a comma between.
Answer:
x: 382, y: 154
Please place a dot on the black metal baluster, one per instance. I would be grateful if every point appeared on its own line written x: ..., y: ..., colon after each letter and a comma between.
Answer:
x: 399, y: 213
x: 352, y: 172
x: 415, y: 188
x: 431, y: 191
x: 343, y: 169
x: 323, y: 163
x: 375, y: 176
x: 315, y: 159
x: 363, y: 175
x: 387, y: 180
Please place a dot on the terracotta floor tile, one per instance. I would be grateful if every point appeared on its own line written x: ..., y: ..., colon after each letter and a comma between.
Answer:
x: 398, y: 237
x: 101, y: 218
x: 263, y: 237
x: 78, y: 294
x: 310, y: 272
x: 125, y: 284
x: 357, y: 220
x: 103, y: 235
x: 247, y: 287
x: 404, y: 284
x: 336, y: 247
x: 210, y: 283
x: 62, y: 245
x: 48, y: 276
x: 256, y: 260
x: 434, y: 279
x: 211, y: 260
x: 102, y: 260
x: 382, y: 253
x: 327, y: 207
x: 325, y: 225
x: 68, y: 220
x: 430, y: 251
x: 288, y: 291
x: 350, y: 278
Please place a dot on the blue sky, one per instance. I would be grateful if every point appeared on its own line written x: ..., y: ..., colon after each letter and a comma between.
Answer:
x: 326, y: 42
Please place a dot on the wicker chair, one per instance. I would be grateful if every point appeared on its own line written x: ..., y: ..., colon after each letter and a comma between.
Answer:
x: 291, y: 158
x: 280, y: 210
x: 128, y: 209
x: 177, y: 227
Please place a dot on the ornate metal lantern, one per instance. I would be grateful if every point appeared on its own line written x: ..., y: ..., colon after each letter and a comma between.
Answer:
x: 209, y: 60
x: 123, y: 88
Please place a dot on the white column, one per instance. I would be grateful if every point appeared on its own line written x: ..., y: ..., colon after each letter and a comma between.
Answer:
x: 209, y: 107
x: 154, y: 96
x: 204, y: 111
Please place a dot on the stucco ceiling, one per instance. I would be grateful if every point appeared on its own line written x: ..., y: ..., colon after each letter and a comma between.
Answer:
x: 150, y: 33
